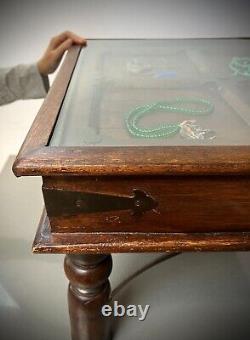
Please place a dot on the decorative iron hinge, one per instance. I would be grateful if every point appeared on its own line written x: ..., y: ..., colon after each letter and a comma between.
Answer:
x: 61, y: 202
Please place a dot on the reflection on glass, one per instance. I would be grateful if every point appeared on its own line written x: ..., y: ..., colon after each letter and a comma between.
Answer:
x: 158, y: 92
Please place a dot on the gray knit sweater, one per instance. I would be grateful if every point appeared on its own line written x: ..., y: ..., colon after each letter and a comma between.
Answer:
x: 22, y: 82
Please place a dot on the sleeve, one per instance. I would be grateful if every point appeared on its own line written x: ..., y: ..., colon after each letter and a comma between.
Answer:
x: 22, y: 82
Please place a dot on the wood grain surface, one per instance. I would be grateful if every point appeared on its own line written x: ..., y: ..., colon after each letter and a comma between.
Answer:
x: 103, y: 243
x: 117, y: 161
x: 185, y: 204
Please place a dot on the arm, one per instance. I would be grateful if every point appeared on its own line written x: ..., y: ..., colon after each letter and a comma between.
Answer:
x: 22, y: 82
x: 31, y: 81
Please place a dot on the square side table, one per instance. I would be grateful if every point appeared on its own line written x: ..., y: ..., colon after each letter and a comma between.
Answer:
x: 143, y: 146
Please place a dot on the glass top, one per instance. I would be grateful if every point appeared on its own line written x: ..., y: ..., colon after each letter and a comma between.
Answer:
x: 158, y: 92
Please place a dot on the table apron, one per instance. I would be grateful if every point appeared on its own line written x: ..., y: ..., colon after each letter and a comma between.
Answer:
x: 169, y: 204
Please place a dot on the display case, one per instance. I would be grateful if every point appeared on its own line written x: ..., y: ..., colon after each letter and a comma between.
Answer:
x: 143, y: 145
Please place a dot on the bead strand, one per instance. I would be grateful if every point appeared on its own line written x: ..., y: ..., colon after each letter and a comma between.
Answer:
x: 164, y: 130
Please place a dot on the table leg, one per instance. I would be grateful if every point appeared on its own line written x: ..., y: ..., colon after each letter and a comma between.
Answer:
x: 88, y: 291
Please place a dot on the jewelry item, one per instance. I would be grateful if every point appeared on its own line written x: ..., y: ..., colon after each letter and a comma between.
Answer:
x: 160, y: 74
x: 240, y: 66
x: 187, y: 128
x: 190, y: 130
x: 136, y: 66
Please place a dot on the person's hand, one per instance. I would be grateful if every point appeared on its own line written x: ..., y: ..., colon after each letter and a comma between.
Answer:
x: 55, y: 51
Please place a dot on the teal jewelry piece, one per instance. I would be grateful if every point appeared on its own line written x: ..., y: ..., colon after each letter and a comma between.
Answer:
x: 240, y: 66
x: 193, y: 107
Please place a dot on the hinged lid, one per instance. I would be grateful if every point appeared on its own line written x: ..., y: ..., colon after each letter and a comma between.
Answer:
x: 145, y: 107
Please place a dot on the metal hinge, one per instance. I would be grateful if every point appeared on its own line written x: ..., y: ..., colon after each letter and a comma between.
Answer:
x: 61, y: 202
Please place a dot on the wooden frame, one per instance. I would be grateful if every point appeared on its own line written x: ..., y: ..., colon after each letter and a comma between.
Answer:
x: 36, y: 158
x: 103, y: 243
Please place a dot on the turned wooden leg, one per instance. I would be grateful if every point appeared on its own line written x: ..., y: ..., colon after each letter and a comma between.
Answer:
x: 89, y: 290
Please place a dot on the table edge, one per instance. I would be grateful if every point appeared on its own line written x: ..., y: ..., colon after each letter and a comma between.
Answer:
x: 77, y: 243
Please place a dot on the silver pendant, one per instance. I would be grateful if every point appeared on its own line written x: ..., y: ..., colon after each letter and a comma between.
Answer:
x: 190, y: 130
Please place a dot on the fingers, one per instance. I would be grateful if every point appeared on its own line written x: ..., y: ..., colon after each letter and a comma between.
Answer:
x: 58, y: 53
x: 59, y: 39
x: 54, y: 52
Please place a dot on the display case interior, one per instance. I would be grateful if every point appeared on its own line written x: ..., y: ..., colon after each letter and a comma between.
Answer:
x: 158, y: 92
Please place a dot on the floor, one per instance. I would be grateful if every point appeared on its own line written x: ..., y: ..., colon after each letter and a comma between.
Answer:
x: 192, y: 296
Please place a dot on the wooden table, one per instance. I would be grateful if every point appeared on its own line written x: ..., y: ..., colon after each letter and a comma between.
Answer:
x: 106, y: 190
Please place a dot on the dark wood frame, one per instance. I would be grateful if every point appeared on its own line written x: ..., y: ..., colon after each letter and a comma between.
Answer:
x: 102, y: 243
x: 38, y: 159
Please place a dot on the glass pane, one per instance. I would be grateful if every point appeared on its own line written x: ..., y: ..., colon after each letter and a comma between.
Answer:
x: 158, y: 92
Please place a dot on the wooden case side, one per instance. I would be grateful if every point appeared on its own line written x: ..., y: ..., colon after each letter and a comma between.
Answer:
x: 137, y: 161
x: 42, y: 127
x: 102, y: 243
x: 148, y: 204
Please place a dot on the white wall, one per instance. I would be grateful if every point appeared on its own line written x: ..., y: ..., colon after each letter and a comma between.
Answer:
x: 26, y: 25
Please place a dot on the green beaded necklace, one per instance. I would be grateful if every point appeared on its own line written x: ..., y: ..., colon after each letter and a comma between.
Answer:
x: 176, y: 105
x: 240, y: 66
